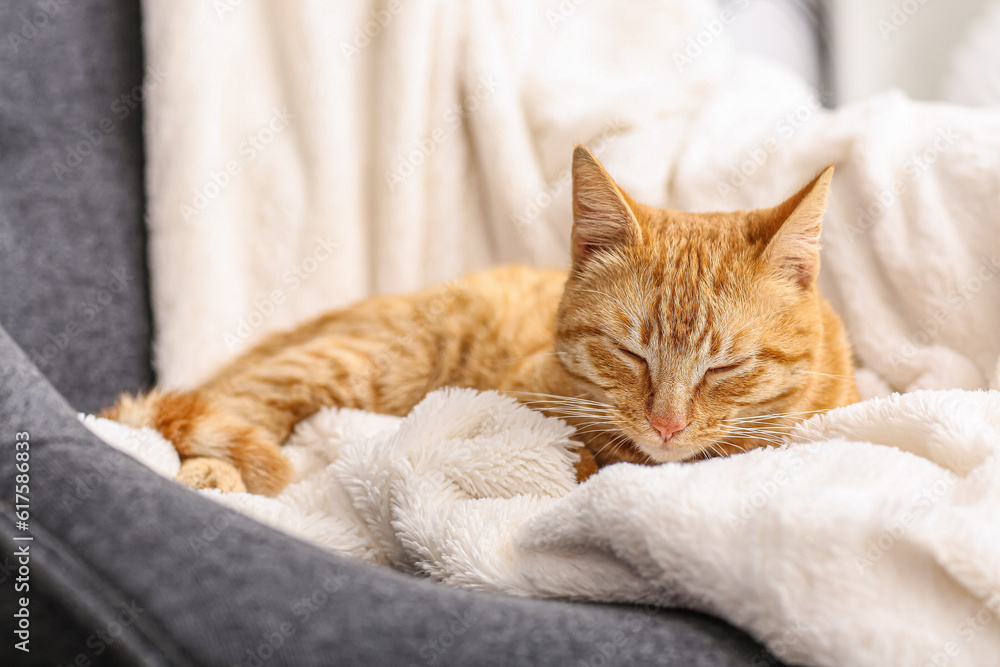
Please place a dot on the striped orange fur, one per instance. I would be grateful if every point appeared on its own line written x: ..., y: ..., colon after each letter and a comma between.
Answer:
x: 673, y: 336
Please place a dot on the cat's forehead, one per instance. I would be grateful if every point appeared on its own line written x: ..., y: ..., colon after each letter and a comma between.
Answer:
x: 691, y: 280
x: 715, y: 231
x: 683, y: 319
x: 697, y: 253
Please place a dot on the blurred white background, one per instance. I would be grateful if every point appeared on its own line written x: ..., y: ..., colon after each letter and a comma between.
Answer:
x: 866, y: 46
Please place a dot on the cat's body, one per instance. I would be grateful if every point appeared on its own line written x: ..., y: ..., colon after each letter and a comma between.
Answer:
x: 673, y: 336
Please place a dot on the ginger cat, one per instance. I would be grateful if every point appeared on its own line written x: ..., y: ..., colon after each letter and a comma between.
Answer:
x: 674, y: 336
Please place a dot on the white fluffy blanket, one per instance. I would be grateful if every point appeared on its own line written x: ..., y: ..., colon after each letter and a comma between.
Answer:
x: 873, y: 539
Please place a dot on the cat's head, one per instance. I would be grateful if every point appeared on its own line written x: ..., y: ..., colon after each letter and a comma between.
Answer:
x: 682, y: 323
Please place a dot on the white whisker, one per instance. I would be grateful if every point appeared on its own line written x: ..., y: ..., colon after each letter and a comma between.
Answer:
x: 732, y: 444
x: 829, y: 375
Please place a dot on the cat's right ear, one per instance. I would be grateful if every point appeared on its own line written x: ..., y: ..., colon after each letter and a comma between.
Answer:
x: 602, y: 213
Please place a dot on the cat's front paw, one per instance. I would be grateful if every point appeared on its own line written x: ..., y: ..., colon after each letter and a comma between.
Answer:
x: 231, y: 449
x: 206, y: 473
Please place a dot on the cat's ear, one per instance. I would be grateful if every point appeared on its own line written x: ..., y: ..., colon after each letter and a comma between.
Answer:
x: 794, y: 247
x: 602, y: 213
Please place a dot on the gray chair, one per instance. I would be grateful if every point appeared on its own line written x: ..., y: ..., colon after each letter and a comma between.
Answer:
x: 128, y: 568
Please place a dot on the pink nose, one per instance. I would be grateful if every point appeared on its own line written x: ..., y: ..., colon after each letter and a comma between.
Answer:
x: 668, y: 427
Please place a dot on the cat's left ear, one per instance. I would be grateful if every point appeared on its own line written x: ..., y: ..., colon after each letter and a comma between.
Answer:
x: 603, y: 218
x: 794, y: 248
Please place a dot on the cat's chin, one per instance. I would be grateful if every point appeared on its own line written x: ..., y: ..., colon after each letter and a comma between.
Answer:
x: 648, y: 451
x: 665, y: 452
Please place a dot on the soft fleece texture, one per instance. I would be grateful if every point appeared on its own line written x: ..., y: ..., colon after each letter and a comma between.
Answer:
x: 872, y: 539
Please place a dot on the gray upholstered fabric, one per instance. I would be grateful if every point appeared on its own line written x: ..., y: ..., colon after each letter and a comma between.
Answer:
x: 72, y: 244
x: 206, y: 586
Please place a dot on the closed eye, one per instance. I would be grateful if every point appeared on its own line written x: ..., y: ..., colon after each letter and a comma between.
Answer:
x: 728, y: 368
x: 632, y: 355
